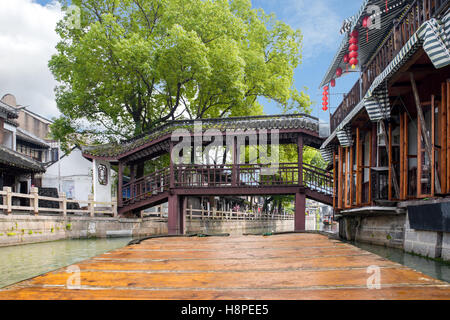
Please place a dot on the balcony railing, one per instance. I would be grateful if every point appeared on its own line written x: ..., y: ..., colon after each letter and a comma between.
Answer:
x: 348, y: 104
x: 419, y: 12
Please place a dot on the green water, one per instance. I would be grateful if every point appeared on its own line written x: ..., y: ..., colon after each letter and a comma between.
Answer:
x: 22, y: 262
x: 432, y: 268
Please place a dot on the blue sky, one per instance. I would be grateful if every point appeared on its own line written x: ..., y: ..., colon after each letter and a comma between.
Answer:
x: 319, y: 21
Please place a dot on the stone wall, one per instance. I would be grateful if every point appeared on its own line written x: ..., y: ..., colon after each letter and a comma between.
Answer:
x: 394, y: 231
x: 23, y: 229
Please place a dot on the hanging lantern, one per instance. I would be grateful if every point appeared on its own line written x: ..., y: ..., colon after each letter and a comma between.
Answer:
x: 366, y: 24
x: 333, y: 83
x: 353, y: 48
x: 338, y: 72
x: 325, y: 98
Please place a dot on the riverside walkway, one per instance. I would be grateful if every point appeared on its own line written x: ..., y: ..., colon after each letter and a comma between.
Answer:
x: 284, y: 267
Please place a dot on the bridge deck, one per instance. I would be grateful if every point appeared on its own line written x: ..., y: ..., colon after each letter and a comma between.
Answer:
x: 290, y: 266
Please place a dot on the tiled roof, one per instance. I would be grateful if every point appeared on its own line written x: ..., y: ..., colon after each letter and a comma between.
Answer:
x: 31, y: 138
x: 12, y: 158
x: 10, y: 111
x: 292, y: 121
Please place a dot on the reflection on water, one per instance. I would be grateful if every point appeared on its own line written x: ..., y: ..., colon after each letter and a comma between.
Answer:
x: 22, y: 262
x: 432, y: 268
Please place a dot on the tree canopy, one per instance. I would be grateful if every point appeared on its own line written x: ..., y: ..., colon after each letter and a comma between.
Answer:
x: 135, y: 64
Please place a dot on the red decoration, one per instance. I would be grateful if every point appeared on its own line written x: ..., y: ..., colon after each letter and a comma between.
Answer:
x: 346, y: 58
x: 353, y: 48
x: 366, y: 24
x: 338, y: 72
x: 333, y: 83
x: 325, y: 98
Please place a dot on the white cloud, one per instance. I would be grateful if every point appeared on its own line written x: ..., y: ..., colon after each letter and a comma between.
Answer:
x: 319, y: 23
x: 27, y: 41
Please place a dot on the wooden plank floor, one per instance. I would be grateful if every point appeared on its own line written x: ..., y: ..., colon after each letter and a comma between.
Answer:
x: 286, y: 267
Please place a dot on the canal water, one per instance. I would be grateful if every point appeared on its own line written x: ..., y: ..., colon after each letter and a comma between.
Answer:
x: 22, y: 262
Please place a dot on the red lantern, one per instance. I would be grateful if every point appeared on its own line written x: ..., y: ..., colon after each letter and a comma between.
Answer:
x: 366, y: 24
x: 325, y: 98
x: 333, y: 83
x: 353, y: 48
x: 339, y: 72
x: 346, y: 58
x: 353, y: 54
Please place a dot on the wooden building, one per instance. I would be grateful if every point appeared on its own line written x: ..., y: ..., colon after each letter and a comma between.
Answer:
x: 390, y: 137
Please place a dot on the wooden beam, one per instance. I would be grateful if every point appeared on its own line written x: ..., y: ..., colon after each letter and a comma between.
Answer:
x: 120, y: 184
x: 443, y: 137
x: 423, y: 130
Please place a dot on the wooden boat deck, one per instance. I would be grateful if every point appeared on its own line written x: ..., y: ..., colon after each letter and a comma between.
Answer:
x: 281, y: 267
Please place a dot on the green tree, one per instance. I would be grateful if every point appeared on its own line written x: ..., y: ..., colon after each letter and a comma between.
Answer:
x: 135, y: 64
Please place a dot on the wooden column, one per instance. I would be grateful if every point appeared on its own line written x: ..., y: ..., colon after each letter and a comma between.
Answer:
x: 359, y: 166
x: 423, y: 129
x: 390, y: 162
x: 433, y: 146
x: 234, y: 178
x: 334, y: 180
x: 443, y: 137
x: 172, y: 166
x: 173, y: 215
x: 300, y: 208
x: 419, y: 158
x: 300, y: 159
x: 402, y: 157
x: 370, y: 164
x: 406, y: 149
x: 119, y: 187
x: 340, y: 177
x: 448, y: 135
x: 346, y: 193
x: 351, y: 174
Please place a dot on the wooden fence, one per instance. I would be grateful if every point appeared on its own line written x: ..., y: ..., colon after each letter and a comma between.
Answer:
x: 90, y: 208
x: 201, y: 214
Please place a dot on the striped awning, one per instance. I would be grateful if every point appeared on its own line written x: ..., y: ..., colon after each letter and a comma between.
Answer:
x: 327, y: 153
x: 433, y: 35
x: 345, y: 136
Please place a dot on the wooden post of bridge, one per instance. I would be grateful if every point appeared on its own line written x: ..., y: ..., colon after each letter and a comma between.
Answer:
x: 173, y: 220
x: 300, y: 198
x: 119, y: 187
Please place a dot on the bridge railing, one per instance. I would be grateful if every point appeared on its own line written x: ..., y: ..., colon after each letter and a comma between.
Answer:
x: 226, y: 176
x: 317, y: 179
x: 153, y: 184
x: 212, y: 214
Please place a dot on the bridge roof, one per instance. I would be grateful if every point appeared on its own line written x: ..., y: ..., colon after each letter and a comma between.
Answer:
x: 272, y: 122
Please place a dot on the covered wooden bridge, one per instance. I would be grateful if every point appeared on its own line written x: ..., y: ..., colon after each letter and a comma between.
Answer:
x: 236, y: 173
